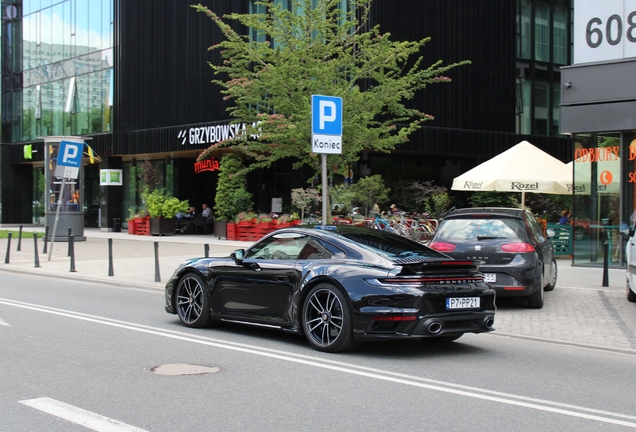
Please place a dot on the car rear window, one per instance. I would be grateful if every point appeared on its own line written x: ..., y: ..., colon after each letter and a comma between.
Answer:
x: 479, y: 229
x: 390, y: 245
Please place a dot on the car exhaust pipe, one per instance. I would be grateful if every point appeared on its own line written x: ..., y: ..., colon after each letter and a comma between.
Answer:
x: 490, y: 321
x: 434, y: 327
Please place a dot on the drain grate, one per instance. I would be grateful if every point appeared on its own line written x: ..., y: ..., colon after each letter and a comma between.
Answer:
x: 176, y: 369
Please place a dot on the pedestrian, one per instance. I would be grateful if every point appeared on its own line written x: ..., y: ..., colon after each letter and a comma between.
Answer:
x: 565, y: 217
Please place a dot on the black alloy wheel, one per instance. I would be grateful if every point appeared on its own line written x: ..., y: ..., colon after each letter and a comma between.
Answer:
x: 192, y: 301
x: 326, y: 319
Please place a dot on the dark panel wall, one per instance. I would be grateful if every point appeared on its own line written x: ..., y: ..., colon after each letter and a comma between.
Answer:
x: 162, y: 76
x: 482, y: 94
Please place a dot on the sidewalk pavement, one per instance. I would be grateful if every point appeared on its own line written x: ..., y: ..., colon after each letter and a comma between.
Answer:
x: 580, y: 311
x: 133, y: 256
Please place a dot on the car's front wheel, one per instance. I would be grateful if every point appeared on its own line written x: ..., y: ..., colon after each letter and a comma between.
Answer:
x: 631, y: 296
x: 327, y: 320
x: 192, y: 301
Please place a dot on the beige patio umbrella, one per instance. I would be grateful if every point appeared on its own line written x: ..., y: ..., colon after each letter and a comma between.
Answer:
x: 522, y: 168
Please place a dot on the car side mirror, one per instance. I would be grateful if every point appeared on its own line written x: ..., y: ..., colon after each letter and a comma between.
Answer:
x: 624, y: 230
x: 238, y: 255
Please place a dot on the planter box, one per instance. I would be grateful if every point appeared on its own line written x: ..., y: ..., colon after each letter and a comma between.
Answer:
x: 162, y: 226
x: 132, y: 227
x: 142, y: 225
x: 220, y: 229
x: 232, y: 230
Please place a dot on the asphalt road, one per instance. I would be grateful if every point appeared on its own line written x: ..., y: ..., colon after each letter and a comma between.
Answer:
x: 86, y: 351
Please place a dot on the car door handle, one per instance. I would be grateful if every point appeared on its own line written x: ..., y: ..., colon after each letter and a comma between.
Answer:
x: 281, y: 278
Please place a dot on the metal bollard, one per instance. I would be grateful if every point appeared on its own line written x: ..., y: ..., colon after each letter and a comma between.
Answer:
x: 157, y: 272
x: 206, y: 250
x: 6, y: 258
x: 70, y: 234
x: 35, y: 250
x: 605, y: 264
x: 19, y: 248
x: 71, y: 248
x: 110, y: 258
x: 46, y: 236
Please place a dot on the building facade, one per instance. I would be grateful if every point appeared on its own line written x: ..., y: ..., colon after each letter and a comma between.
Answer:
x: 597, y: 103
x: 134, y: 78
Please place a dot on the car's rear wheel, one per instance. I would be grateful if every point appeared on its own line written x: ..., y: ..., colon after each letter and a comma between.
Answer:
x: 631, y: 296
x: 553, y: 276
x: 192, y: 301
x: 327, y: 320
x: 535, y: 301
x: 442, y: 339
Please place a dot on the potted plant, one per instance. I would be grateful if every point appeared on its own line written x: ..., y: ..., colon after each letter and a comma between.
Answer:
x: 162, y: 208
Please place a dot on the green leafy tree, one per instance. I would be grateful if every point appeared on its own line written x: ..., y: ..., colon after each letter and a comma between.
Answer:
x: 493, y: 199
x: 316, y: 48
x: 303, y: 198
x: 369, y: 191
x: 343, y: 195
x: 232, y: 196
x: 437, y: 205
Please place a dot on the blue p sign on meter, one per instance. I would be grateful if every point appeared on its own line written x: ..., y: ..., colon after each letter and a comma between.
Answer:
x: 69, y: 159
x: 326, y: 124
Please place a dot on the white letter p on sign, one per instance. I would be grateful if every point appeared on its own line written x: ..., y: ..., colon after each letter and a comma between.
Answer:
x: 70, y: 152
x: 324, y: 118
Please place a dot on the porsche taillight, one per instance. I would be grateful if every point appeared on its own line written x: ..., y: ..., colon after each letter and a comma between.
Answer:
x: 518, y: 247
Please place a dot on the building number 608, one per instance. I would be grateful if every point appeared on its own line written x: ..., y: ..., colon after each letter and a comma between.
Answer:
x: 614, y: 26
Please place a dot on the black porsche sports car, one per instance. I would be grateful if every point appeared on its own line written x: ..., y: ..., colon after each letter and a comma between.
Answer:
x: 337, y: 285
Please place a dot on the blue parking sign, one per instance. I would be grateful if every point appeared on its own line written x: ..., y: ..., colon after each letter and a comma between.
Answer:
x: 326, y: 115
x: 70, y: 154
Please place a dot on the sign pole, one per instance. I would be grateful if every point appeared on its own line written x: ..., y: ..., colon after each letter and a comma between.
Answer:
x: 57, y: 216
x: 325, y: 195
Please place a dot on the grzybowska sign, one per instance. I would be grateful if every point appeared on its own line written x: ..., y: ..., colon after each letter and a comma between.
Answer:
x: 214, y: 134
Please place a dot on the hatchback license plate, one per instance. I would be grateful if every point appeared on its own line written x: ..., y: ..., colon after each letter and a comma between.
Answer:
x: 462, y: 303
x: 490, y: 277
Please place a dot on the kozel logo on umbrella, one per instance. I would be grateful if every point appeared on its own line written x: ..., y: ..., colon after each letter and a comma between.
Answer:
x: 473, y: 185
x: 524, y: 186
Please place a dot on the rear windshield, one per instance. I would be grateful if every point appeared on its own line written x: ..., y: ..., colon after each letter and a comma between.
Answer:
x: 479, y: 229
x: 390, y: 245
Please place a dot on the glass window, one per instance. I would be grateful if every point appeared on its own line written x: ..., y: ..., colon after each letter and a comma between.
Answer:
x: 560, y: 35
x: 278, y: 247
x: 596, y: 201
x: 524, y: 29
x: 541, y: 100
x: 542, y: 32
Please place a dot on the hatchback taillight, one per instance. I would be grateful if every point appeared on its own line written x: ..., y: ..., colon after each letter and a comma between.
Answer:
x: 442, y: 246
x: 517, y: 247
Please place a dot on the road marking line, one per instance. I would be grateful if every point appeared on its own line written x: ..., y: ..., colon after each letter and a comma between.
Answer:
x: 79, y: 416
x: 4, y: 323
x: 441, y: 386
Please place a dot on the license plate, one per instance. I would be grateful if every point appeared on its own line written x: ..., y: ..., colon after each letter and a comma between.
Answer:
x: 463, y: 303
x: 490, y: 277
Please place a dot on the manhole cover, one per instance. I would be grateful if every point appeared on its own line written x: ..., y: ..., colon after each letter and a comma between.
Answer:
x: 182, y: 369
